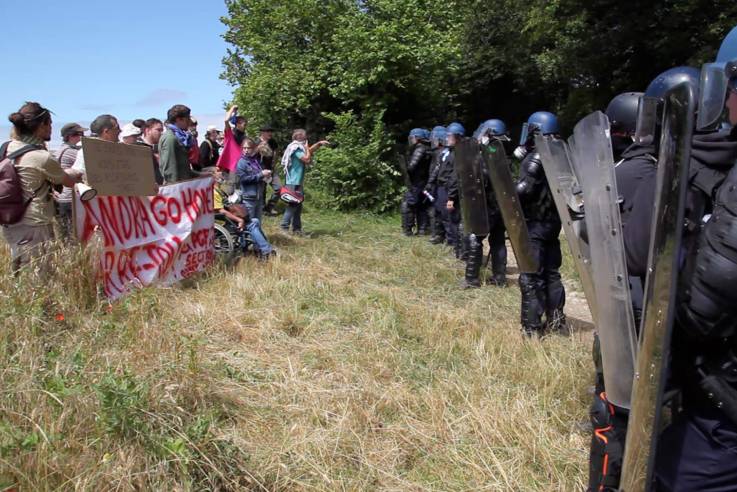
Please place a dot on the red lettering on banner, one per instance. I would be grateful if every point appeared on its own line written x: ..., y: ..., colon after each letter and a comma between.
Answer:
x: 140, y: 215
x: 189, y: 204
x: 159, y: 213
x: 109, y: 221
x: 177, y: 226
x: 126, y: 217
x: 176, y: 218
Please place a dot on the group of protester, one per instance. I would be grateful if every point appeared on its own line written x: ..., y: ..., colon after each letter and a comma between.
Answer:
x: 39, y: 183
x: 680, y: 134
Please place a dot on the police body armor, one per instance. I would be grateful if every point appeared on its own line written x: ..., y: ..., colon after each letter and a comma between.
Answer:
x: 418, y: 165
x: 535, y: 195
x: 505, y: 193
x: 648, y: 392
x: 593, y: 162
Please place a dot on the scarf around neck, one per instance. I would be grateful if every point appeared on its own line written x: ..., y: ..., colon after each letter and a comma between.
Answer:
x: 184, y: 137
x: 286, y: 159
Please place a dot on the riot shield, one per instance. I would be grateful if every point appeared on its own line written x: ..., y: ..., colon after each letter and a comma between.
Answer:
x: 402, y: 161
x: 506, y: 196
x: 471, y: 187
x: 660, y: 289
x: 593, y: 163
x: 569, y: 202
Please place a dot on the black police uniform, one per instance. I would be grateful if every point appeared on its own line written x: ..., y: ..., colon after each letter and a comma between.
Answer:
x: 542, y: 291
x: 497, y: 244
x: 698, y: 451
x: 415, y: 204
x: 448, y: 190
x: 636, y: 169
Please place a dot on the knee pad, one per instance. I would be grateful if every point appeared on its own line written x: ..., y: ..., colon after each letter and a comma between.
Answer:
x: 607, y: 445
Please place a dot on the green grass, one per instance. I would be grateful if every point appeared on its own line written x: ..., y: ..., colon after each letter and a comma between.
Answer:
x: 352, y: 362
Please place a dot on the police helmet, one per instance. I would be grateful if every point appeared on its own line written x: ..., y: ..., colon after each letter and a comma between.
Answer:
x: 543, y: 122
x: 622, y: 112
x: 456, y: 129
x: 716, y: 79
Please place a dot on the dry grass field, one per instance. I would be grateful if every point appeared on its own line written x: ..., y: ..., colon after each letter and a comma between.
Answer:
x: 351, y: 362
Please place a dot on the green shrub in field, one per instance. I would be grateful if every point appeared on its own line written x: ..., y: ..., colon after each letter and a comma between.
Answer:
x: 354, y: 174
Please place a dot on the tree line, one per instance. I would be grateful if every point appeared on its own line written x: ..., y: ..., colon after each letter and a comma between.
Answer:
x: 373, y: 69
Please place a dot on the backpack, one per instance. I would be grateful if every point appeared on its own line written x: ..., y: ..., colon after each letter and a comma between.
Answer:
x: 13, y: 201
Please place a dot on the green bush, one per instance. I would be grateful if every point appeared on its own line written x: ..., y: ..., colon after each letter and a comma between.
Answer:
x: 354, y: 174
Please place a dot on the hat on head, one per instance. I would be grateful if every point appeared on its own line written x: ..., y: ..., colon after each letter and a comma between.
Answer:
x: 71, y: 129
x: 193, y: 120
x: 212, y: 128
x: 130, y: 130
x: 266, y: 128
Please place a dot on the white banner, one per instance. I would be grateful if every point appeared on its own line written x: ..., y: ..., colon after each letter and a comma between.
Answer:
x: 146, y: 240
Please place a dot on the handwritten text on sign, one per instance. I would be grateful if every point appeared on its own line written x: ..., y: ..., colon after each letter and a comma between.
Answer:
x: 162, y: 238
x: 118, y: 168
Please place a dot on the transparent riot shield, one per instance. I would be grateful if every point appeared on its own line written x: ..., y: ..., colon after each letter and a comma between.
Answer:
x: 593, y: 163
x: 471, y: 187
x: 660, y: 289
x: 569, y: 202
x: 505, y: 192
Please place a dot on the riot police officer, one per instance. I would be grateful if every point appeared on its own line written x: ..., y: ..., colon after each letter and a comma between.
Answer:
x: 488, y: 131
x: 447, y: 190
x: 437, y: 146
x: 542, y: 291
x: 622, y: 114
x: 415, y: 204
x: 697, y: 451
x: 635, y: 174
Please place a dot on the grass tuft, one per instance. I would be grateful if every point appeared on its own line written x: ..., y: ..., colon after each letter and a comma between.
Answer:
x: 351, y: 362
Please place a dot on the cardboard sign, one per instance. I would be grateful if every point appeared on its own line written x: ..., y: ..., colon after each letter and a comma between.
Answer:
x: 150, y: 240
x: 118, y: 169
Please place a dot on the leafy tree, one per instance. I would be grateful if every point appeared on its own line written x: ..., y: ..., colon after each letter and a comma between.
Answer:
x: 343, y: 65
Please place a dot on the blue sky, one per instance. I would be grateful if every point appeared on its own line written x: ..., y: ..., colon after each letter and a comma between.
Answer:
x: 132, y: 59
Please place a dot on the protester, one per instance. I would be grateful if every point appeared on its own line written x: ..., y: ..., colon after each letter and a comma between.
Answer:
x: 105, y: 127
x: 175, y: 144
x: 37, y: 170
x: 151, y: 135
x: 267, y: 148
x: 210, y: 148
x: 239, y: 214
x: 252, y: 179
x: 231, y: 149
x: 296, y: 157
x: 130, y: 134
x: 239, y: 124
x: 71, y: 134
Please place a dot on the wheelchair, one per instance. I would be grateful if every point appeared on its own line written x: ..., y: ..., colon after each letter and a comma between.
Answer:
x: 229, y: 240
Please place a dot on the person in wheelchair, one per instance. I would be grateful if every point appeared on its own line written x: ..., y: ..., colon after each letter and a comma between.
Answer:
x: 238, y: 230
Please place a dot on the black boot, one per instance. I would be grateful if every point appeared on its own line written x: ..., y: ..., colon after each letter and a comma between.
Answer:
x: 531, y: 310
x: 474, y: 256
x: 498, y: 280
x: 555, y: 321
x: 423, y: 222
x: 408, y: 219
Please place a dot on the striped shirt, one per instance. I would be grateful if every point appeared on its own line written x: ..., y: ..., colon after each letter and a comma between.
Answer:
x: 66, y: 155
